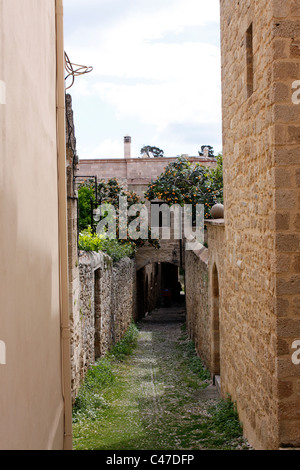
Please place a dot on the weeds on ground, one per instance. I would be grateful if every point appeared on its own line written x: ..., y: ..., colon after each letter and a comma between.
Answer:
x: 224, y: 430
x: 90, y: 401
x: 193, y: 361
x: 107, y: 414
x: 225, y: 419
x: 126, y: 345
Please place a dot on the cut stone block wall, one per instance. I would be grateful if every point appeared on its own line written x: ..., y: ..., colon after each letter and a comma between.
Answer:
x: 203, y: 281
x: 197, y: 302
x: 261, y: 283
x: 136, y: 172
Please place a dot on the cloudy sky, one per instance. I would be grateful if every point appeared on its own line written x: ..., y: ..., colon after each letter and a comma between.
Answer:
x: 156, y: 75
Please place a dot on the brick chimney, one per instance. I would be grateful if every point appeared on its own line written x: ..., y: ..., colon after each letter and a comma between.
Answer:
x: 127, y: 146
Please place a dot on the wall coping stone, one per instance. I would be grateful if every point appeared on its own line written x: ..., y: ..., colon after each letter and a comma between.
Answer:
x: 95, y: 259
x: 218, y: 222
x: 92, y: 258
x: 144, y: 160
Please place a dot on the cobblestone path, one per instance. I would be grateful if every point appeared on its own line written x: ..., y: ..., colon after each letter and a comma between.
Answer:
x: 158, y: 403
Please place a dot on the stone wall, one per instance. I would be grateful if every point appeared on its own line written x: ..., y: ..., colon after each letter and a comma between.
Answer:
x: 123, y: 297
x: 197, y: 302
x: 106, y: 307
x: 249, y: 323
x: 203, y: 280
x: 132, y: 171
x: 260, y: 284
x: 102, y: 294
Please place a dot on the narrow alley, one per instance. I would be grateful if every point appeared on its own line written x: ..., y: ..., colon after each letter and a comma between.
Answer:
x: 162, y: 397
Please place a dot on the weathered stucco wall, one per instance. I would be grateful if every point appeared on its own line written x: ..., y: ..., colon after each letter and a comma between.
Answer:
x: 106, y: 307
x: 31, y: 398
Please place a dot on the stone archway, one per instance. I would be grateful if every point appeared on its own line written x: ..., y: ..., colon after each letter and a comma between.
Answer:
x: 153, y: 282
x: 170, y: 251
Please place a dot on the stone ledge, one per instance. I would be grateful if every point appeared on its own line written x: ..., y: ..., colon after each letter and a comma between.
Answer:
x: 202, y: 254
x: 93, y: 259
x: 215, y: 222
x: 200, y: 250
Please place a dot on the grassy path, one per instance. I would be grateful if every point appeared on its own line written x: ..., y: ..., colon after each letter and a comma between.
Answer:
x: 161, y: 398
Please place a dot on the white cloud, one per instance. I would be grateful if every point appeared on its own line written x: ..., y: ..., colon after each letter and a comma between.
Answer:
x: 128, y: 47
x: 108, y: 148
x: 178, y: 86
x: 140, y: 75
x: 140, y: 26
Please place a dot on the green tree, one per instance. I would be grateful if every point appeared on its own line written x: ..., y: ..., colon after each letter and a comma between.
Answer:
x: 108, y: 192
x: 210, y: 151
x: 152, y: 151
x: 184, y: 183
x: 86, y: 193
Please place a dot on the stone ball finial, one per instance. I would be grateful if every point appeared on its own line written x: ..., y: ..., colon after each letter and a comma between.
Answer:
x: 217, y: 211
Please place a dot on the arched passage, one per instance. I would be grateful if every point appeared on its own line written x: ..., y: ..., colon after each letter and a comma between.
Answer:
x: 159, y: 285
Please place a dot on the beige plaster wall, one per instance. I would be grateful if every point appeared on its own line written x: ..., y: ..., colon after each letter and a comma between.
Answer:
x: 31, y: 399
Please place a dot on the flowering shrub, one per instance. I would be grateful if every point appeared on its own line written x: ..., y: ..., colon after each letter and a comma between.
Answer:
x: 184, y: 183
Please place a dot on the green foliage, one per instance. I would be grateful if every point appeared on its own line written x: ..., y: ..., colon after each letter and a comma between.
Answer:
x: 85, y: 194
x: 90, y: 402
x: 118, y: 250
x: 195, y: 363
x: 183, y: 183
x: 107, y: 192
x: 89, y: 241
x: 210, y: 151
x: 154, y: 151
x: 100, y: 374
x: 127, y: 344
x: 225, y: 419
